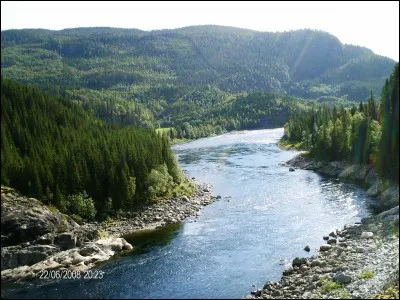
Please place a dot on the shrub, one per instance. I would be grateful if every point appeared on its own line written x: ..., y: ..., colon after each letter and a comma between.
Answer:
x: 82, y: 205
x: 158, y: 181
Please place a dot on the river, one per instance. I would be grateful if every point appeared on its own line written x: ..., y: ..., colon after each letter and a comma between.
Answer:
x: 265, y: 218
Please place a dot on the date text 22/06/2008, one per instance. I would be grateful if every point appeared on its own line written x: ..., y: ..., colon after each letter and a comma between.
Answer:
x: 68, y: 274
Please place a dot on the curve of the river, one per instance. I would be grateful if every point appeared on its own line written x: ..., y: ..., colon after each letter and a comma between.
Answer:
x: 265, y: 218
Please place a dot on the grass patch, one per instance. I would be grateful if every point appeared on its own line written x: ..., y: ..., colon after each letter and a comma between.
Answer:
x: 391, y: 292
x: 341, y: 294
x: 330, y: 285
x: 366, y: 274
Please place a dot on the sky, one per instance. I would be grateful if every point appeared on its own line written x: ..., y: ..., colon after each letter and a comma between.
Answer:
x: 370, y: 24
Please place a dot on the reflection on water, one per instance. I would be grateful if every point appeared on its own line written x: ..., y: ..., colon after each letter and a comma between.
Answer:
x: 145, y: 240
x: 272, y: 214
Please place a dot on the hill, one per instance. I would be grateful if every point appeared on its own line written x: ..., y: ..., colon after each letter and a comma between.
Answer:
x: 143, y: 78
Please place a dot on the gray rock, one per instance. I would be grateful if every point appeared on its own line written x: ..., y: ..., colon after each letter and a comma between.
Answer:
x: 315, y: 263
x: 326, y: 238
x: 307, y: 295
x: 257, y: 293
x: 276, y: 293
x: 66, y: 240
x: 297, y: 262
x: 367, y: 235
x: 46, y: 239
x: 315, y: 277
x: 359, y: 249
x: 291, y: 169
x: 303, y: 268
x: 324, y: 248
x: 331, y: 241
x: 307, y: 248
x: 89, y: 250
x: 287, y: 272
x: 342, y: 278
x: 26, y: 219
x: 332, y: 234
x: 15, y: 256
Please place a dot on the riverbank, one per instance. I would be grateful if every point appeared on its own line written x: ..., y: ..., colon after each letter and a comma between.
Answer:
x: 170, y: 211
x: 364, y: 175
x: 36, y: 238
x: 358, y: 261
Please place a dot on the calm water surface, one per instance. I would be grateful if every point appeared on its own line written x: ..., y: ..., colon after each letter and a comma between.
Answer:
x: 265, y: 218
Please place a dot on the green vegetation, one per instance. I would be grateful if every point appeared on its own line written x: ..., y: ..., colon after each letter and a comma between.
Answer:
x: 303, y: 63
x: 366, y: 274
x: 330, y: 285
x: 198, y: 81
x: 391, y: 292
x: 392, y: 289
x: 367, y: 134
x: 53, y: 150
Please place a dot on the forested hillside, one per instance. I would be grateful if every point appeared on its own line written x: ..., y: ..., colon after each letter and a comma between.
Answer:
x: 167, y: 77
x: 367, y: 133
x: 55, y: 151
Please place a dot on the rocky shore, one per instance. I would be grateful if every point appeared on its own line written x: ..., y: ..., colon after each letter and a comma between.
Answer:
x: 35, y: 238
x: 174, y: 210
x: 357, y: 261
x: 364, y: 175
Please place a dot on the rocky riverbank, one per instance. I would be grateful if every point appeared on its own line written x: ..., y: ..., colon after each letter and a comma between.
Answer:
x: 36, y: 238
x: 357, y: 261
x: 365, y: 175
x: 173, y: 210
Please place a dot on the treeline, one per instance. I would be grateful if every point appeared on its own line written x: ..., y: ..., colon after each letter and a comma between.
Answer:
x: 53, y: 150
x: 251, y: 111
x: 367, y: 134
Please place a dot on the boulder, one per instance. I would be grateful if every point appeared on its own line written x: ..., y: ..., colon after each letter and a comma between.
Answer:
x: 15, y: 256
x: 297, y: 262
x: 307, y: 248
x: 367, y: 235
x: 324, y: 248
x: 331, y: 241
x: 291, y: 169
x: 66, y: 240
x: 342, y: 278
x: 27, y: 219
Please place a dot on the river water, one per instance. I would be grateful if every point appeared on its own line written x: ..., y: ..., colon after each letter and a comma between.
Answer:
x: 264, y: 219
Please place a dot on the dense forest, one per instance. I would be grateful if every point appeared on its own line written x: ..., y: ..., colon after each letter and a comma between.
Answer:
x: 367, y: 133
x: 54, y: 150
x: 168, y: 78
